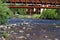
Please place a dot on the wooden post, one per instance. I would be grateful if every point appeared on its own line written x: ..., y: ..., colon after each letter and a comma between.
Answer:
x: 14, y: 2
x: 26, y: 2
x: 39, y: 10
x: 30, y: 11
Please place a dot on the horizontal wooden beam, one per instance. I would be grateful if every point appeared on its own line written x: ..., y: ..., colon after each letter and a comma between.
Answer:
x: 33, y: 0
x: 38, y: 1
x: 53, y: 7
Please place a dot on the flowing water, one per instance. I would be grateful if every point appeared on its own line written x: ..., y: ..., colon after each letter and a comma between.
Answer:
x: 33, y: 29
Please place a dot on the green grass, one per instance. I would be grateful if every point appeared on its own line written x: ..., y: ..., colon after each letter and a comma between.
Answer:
x: 29, y: 16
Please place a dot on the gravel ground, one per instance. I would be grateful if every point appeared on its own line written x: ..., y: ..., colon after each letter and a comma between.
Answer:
x: 34, y: 32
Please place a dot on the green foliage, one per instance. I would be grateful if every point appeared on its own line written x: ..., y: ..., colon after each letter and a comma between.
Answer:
x: 6, y: 35
x: 1, y: 34
x: 49, y: 14
x: 20, y: 11
x: 34, y: 16
x: 4, y: 1
x: 5, y: 13
x: 58, y: 11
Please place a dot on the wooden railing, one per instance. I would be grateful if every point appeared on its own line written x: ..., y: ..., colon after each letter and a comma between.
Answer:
x: 34, y: 7
x: 38, y: 1
x: 42, y: 3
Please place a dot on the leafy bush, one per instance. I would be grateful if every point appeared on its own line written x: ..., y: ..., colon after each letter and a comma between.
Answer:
x: 19, y: 11
x: 58, y: 11
x: 22, y: 11
x: 49, y: 14
x: 5, y: 13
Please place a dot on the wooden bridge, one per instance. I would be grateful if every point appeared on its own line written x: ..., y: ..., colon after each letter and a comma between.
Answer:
x: 35, y: 3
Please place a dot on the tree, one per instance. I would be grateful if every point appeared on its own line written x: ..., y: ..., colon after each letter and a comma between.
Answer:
x: 5, y: 13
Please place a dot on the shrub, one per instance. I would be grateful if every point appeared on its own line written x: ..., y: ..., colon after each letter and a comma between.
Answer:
x: 49, y: 14
x: 5, y: 13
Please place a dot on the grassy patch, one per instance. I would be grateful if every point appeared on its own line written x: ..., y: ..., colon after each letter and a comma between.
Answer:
x: 29, y: 16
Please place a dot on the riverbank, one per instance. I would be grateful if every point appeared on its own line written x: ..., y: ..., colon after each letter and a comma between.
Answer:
x: 34, y: 16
